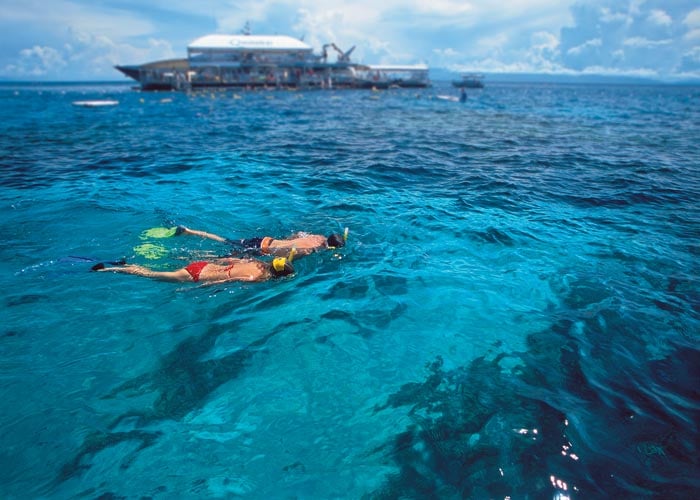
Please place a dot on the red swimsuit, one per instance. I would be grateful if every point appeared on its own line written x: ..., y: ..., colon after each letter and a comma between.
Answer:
x: 195, y: 269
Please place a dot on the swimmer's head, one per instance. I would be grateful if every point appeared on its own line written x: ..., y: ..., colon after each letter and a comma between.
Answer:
x: 335, y: 241
x: 281, y: 266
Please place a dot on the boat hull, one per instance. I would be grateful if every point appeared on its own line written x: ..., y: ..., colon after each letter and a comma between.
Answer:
x: 461, y: 84
x: 213, y: 65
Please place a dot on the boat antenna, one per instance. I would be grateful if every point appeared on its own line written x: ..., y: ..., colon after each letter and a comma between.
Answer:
x: 246, y: 28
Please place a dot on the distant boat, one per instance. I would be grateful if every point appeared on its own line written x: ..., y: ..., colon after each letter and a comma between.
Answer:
x: 95, y: 103
x: 469, y: 81
x: 268, y: 61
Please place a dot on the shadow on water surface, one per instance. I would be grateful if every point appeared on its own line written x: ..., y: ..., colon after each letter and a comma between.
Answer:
x: 577, y: 415
x: 183, y: 382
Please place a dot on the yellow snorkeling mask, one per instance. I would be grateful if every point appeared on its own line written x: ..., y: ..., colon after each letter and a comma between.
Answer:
x: 279, y: 263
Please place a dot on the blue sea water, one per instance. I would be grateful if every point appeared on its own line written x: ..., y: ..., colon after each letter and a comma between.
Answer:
x: 516, y: 313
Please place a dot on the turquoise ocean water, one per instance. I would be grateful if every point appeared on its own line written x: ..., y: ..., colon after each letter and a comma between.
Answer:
x: 516, y: 313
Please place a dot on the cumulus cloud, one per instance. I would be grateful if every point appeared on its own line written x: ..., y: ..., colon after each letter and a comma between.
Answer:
x: 588, y: 44
x: 644, y: 43
x: 633, y: 37
x: 404, y: 31
x: 83, y: 55
x: 102, y: 53
x: 543, y: 53
x: 631, y: 72
x: 37, y: 62
x: 610, y: 15
x: 80, y: 40
x: 446, y: 53
x: 539, y: 55
x: 690, y: 64
x: 692, y: 20
x: 658, y: 16
x: 445, y: 8
x: 493, y: 44
x: 85, y: 39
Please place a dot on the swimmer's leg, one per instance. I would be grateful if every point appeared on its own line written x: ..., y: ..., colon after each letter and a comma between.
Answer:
x: 202, y: 234
x: 238, y: 247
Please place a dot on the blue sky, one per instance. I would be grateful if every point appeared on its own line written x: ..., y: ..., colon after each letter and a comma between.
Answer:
x: 84, y: 39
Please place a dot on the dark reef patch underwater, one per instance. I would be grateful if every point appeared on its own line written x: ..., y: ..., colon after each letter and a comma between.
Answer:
x: 473, y: 435
x: 515, y: 315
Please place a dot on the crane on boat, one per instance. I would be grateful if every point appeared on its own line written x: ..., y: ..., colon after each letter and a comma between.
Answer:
x: 342, y: 56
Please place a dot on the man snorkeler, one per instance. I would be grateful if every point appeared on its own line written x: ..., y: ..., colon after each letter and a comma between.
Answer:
x: 304, y: 243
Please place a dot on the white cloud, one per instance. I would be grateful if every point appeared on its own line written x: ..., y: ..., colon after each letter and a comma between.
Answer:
x: 493, y: 65
x: 639, y: 42
x: 612, y: 71
x: 629, y: 35
x: 446, y: 53
x: 544, y: 51
x: 659, y: 17
x: 635, y: 7
x: 690, y: 63
x: 83, y: 56
x: 692, y: 20
x: 539, y: 56
x: 544, y: 40
x: 447, y: 8
x: 384, y: 29
x: 595, y: 42
x: 493, y: 43
x: 37, y: 61
x: 607, y: 15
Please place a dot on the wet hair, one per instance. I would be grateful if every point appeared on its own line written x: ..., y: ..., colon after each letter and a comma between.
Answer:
x: 335, y: 241
x: 286, y: 271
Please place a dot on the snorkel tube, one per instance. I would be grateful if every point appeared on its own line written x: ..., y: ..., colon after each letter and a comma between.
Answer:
x: 337, y: 241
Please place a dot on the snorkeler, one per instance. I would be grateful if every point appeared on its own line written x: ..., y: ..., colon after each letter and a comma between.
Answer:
x: 304, y: 243
x: 215, y: 271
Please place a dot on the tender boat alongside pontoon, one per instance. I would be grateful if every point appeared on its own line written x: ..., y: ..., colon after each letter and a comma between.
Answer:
x: 469, y: 81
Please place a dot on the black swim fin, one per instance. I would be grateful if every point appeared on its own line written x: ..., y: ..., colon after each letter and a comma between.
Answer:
x: 101, y: 265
